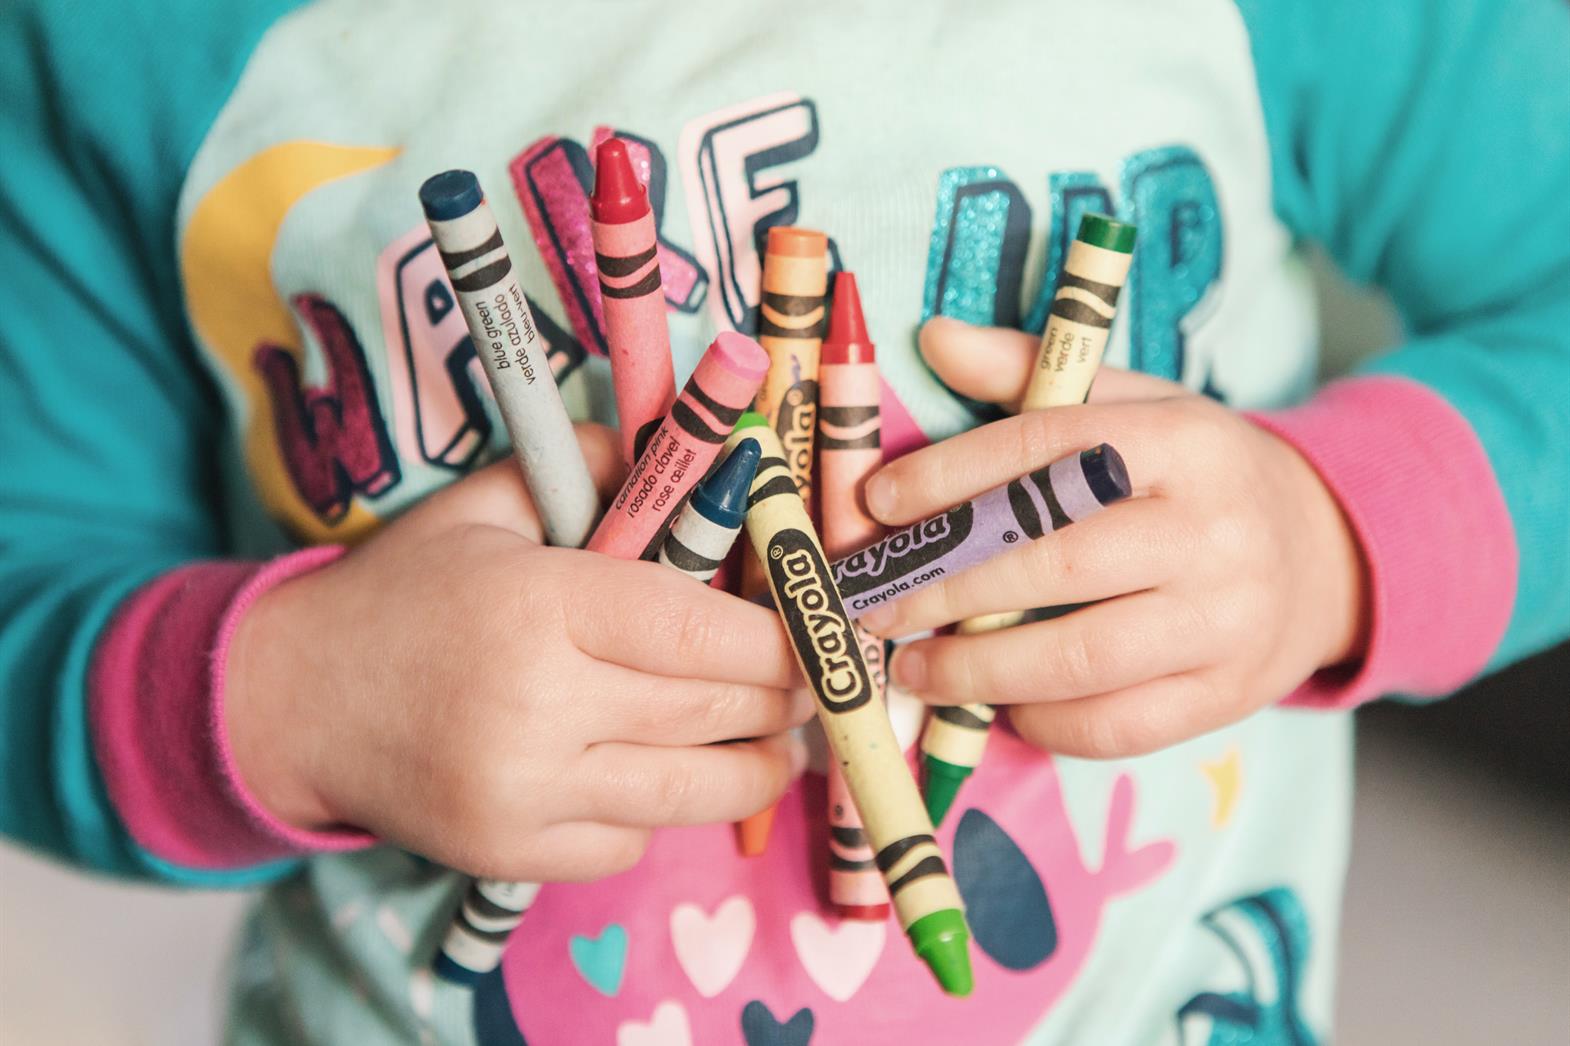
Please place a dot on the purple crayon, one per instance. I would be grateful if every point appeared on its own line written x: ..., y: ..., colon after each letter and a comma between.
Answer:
x: 988, y: 525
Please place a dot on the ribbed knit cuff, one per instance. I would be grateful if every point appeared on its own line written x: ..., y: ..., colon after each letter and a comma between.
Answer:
x: 156, y: 706
x: 1422, y: 499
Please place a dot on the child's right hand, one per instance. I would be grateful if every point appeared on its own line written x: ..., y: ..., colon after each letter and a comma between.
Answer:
x: 509, y: 709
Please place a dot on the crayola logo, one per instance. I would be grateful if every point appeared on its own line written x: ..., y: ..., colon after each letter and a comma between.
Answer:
x: 905, y: 551
x: 819, y: 628
x: 796, y: 426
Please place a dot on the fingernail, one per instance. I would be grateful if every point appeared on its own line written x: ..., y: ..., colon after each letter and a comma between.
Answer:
x: 879, y: 493
x: 879, y: 621
x: 910, y: 668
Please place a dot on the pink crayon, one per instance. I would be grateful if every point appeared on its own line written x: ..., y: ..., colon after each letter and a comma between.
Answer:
x: 683, y: 448
x: 626, y: 253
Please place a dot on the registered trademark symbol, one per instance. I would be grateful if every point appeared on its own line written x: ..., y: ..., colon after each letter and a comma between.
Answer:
x: 776, y: 552
x: 1010, y: 536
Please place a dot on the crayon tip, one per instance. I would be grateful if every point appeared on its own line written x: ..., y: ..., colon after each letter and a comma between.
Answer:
x: 847, y: 341
x: 942, y: 786
x: 752, y: 835
x: 801, y: 243
x: 866, y: 913
x: 1105, y: 473
x: 618, y: 195
x: 942, y: 941
x: 1100, y: 230
x: 742, y: 355
x: 723, y: 496
x: 449, y: 195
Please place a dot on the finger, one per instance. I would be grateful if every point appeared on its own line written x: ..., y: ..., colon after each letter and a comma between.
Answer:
x: 658, y: 710
x: 1139, y: 719
x: 602, y: 453
x: 1095, y: 650
x: 646, y: 787
x: 994, y: 365
x: 1136, y: 546
x: 991, y: 364
x: 576, y: 851
x: 938, y: 477
x: 653, y: 619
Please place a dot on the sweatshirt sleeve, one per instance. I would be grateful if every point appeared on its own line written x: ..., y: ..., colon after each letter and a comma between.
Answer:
x: 108, y: 427
x: 1426, y: 145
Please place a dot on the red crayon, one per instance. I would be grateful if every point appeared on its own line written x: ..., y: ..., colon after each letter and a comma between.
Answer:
x: 850, y: 450
x: 682, y: 450
x: 626, y: 252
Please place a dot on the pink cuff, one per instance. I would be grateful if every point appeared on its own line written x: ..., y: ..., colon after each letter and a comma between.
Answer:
x: 1422, y: 499
x: 156, y: 706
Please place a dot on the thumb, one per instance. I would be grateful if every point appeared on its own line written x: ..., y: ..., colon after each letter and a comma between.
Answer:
x: 994, y: 364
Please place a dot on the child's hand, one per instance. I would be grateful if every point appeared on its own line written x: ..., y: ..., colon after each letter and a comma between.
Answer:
x: 1228, y: 580
x: 505, y: 708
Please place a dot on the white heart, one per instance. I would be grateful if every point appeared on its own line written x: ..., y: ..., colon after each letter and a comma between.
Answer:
x: 711, y: 949
x: 668, y: 1027
x: 838, y: 960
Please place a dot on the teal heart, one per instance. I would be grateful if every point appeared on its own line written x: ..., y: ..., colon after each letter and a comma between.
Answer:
x: 601, y: 960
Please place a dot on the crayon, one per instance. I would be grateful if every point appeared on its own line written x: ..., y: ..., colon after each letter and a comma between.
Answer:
x: 703, y: 534
x: 956, y: 737
x: 505, y: 337
x: 752, y: 833
x: 680, y: 452
x: 988, y: 525
x: 490, y: 910
x: 1084, y: 304
x: 856, y: 722
x: 626, y: 253
x: 790, y: 329
x: 849, y: 450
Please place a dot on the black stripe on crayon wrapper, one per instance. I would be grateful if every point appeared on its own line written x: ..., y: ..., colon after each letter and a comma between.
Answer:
x: 487, y: 908
x: 1107, y: 292
x: 497, y: 936
x: 1024, y: 509
x: 1042, y: 480
x: 926, y: 866
x: 846, y: 417
x: 453, y: 259
x: 685, y: 559
x: 609, y: 266
x: 773, y: 488
x: 962, y: 717
x: 480, y: 279
x: 723, y: 413
x: 845, y: 864
x: 854, y: 838
x: 889, y: 856
x: 693, y: 425
x: 648, y: 285
x: 1076, y: 311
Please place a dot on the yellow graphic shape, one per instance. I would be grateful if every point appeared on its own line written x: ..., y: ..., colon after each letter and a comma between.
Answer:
x: 226, y: 265
x: 1226, y: 777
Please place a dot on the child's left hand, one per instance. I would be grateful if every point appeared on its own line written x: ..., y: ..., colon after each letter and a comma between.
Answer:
x: 1226, y: 581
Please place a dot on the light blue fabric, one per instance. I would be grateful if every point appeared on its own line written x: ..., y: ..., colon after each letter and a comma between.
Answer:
x: 1426, y: 145
x: 107, y: 424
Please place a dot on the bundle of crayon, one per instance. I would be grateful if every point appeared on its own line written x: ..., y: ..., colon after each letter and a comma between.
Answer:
x: 1084, y: 304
